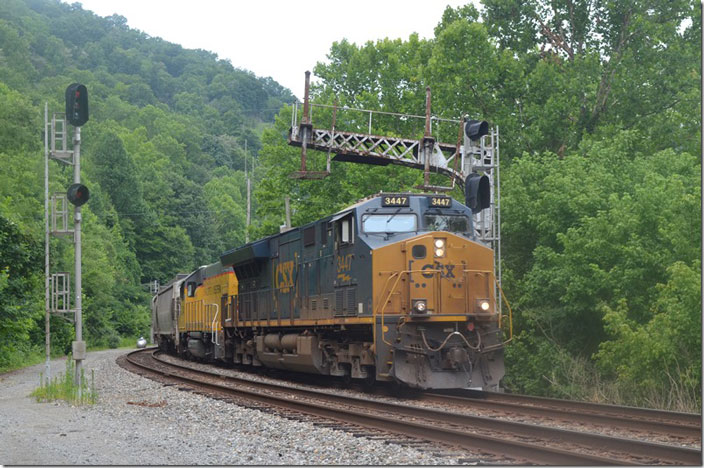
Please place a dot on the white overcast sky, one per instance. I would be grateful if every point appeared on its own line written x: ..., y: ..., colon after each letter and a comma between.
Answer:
x: 276, y: 38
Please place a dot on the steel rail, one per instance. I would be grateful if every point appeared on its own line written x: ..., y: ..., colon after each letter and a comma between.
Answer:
x: 632, y: 412
x: 456, y: 435
x: 606, y: 415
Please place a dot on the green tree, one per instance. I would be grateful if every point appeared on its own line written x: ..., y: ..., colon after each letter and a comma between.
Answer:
x: 624, y: 63
x: 20, y: 292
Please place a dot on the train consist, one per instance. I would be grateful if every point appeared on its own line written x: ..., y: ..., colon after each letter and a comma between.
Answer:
x: 393, y: 288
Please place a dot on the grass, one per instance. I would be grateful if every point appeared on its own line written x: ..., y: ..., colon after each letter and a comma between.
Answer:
x: 17, y: 360
x: 63, y: 387
x: 575, y: 378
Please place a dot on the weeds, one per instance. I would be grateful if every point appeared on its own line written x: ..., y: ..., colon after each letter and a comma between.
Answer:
x: 63, y: 387
x: 576, y: 378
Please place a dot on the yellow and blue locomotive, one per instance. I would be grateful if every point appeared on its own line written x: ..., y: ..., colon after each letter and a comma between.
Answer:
x: 393, y: 288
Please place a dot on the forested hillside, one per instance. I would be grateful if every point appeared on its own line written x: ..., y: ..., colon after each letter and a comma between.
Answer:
x: 598, y: 104
x: 163, y: 156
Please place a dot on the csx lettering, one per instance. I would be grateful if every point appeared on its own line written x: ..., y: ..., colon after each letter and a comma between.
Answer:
x: 284, y: 276
x: 446, y: 271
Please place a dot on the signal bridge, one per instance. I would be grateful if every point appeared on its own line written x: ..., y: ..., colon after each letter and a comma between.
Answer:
x: 472, y: 163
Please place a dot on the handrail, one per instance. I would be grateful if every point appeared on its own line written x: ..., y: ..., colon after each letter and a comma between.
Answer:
x: 510, y: 314
x: 215, y: 316
x: 374, y: 313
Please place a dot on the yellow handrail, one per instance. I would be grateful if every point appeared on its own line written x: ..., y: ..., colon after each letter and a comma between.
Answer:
x: 374, y: 312
x: 510, y: 314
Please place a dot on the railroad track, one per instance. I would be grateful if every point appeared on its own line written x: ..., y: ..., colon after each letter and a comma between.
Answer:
x: 678, y: 427
x: 493, y: 439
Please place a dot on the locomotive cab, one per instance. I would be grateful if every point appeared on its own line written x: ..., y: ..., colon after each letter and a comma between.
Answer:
x: 435, y: 314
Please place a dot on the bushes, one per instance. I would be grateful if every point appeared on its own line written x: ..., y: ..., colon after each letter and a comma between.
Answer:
x: 113, y: 340
x: 659, y: 361
x: 609, y: 280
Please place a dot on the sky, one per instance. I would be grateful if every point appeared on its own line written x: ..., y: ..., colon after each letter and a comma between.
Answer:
x: 277, y: 38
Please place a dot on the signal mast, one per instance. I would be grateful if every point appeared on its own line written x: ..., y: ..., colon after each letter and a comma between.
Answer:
x: 57, y: 285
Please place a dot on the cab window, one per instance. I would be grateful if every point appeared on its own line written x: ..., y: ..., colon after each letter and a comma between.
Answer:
x: 389, y: 222
x: 449, y: 223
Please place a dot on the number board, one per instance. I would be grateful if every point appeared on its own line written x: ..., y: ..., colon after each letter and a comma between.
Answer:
x: 395, y: 200
x: 441, y: 201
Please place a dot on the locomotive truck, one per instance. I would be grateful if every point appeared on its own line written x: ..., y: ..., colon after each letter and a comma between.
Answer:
x: 393, y: 288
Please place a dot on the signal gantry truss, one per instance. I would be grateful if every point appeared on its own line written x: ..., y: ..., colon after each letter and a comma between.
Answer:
x: 473, y: 160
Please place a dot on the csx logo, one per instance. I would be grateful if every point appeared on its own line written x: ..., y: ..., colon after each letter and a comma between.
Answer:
x: 284, y: 276
x: 446, y: 271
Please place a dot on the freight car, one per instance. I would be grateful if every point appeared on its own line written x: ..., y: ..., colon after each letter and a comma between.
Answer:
x: 393, y: 288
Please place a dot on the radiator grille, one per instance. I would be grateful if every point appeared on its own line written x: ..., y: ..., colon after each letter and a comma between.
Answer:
x: 339, y: 298
x: 351, y: 301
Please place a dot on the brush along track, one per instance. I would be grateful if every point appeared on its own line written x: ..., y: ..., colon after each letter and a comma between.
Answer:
x: 517, y: 442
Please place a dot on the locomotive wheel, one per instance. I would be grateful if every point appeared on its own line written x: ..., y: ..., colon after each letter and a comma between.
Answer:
x: 369, y: 382
x: 347, y: 379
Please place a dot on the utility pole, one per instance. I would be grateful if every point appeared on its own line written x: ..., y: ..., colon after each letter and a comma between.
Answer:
x: 47, y: 310
x: 249, y: 199
x: 287, y: 204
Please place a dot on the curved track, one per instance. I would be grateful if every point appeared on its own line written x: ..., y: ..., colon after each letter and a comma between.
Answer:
x: 518, y: 442
x: 674, y: 425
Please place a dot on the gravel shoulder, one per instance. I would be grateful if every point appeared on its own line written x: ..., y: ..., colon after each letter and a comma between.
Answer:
x: 165, y: 426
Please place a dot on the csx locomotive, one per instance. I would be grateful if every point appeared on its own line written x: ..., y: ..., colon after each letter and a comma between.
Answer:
x: 393, y: 288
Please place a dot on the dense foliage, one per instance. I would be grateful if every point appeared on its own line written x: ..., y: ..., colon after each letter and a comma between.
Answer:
x: 598, y: 103
x: 163, y: 156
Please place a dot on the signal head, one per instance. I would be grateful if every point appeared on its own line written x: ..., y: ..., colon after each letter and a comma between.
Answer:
x: 77, y: 104
x: 475, y: 129
x: 78, y: 194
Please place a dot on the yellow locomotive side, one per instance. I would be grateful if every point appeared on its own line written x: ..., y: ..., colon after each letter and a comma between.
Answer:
x: 202, y: 311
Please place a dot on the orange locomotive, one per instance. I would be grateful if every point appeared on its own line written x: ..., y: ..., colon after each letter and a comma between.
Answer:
x: 393, y: 288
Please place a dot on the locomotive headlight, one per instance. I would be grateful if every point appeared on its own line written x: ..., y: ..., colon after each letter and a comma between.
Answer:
x: 439, y: 247
x: 420, y: 306
x: 484, y: 305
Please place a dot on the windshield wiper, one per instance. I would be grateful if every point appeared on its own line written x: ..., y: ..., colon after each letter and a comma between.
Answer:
x: 393, y: 216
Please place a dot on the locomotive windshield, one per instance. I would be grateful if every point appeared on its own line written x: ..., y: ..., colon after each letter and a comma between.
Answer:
x: 389, y: 222
x: 449, y: 223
